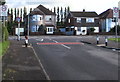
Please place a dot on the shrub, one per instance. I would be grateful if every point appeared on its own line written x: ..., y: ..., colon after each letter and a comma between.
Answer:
x: 114, y: 29
x: 4, y: 34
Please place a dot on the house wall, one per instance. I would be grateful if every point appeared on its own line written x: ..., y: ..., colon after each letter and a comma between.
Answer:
x: 83, y: 25
x: 49, y: 20
x: 107, y: 24
x: 37, y: 20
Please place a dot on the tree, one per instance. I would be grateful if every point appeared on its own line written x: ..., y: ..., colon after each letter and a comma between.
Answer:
x: 58, y: 16
x: 8, y: 12
x: 15, y: 14
x: 30, y: 10
x: 65, y: 14
x: 68, y: 10
x: 113, y: 30
x: 18, y: 12
x: 24, y: 13
x: 21, y: 14
x: 2, y: 2
x: 61, y: 13
x: 54, y: 10
x: 11, y: 15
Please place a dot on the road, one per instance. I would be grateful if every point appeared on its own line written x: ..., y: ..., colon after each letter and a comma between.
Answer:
x: 66, y: 58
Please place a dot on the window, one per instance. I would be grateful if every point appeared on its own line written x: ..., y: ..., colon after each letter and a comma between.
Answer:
x: 68, y: 20
x: 90, y: 20
x: 49, y: 29
x: 40, y: 18
x: 48, y: 18
x: 78, y: 20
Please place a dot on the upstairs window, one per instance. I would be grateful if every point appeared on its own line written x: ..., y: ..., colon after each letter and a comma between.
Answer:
x: 40, y: 18
x: 90, y: 20
x: 48, y: 18
x: 78, y: 20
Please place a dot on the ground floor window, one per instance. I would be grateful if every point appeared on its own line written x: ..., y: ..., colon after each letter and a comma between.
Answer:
x: 50, y: 30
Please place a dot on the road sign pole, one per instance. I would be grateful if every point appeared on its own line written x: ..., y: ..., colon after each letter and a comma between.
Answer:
x: 116, y: 26
x: 18, y: 32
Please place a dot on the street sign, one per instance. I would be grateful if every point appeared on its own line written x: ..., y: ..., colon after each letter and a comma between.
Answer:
x: 18, y: 19
x: 3, y: 10
x: 115, y: 12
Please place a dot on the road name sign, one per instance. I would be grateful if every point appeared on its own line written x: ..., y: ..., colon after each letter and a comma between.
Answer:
x: 3, y: 10
x: 115, y: 12
x: 18, y: 19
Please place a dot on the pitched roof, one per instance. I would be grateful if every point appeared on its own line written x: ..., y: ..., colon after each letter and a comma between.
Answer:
x: 107, y: 14
x: 41, y: 10
x: 84, y: 14
x: 36, y: 11
x: 45, y: 10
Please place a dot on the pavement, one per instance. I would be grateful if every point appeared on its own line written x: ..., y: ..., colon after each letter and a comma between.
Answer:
x: 93, y: 40
x: 20, y: 63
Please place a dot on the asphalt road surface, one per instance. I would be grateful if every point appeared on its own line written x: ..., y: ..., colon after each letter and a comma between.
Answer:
x: 66, y: 58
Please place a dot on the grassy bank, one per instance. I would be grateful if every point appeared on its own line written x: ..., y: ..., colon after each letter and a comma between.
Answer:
x: 114, y: 39
x: 3, y: 47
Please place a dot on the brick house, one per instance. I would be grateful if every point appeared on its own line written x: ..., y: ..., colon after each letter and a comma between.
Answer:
x: 42, y: 20
x: 106, y: 22
x: 79, y: 23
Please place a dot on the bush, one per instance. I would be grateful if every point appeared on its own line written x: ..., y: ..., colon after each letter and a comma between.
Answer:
x: 92, y: 29
x: 114, y: 29
x: 4, y: 34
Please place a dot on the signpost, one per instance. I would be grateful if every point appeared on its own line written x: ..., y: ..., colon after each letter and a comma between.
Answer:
x: 116, y: 16
x: 3, y: 13
x: 18, y: 19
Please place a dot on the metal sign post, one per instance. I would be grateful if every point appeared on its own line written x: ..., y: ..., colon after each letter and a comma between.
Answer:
x: 116, y: 16
x: 18, y: 34
x: 3, y: 12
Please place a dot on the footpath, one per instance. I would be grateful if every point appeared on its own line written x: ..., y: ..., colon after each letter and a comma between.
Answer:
x: 20, y: 63
x: 102, y: 42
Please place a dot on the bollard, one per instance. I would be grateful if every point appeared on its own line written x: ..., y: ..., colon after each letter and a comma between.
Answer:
x: 26, y: 41
x: 106, y: 41
x: 97, y: 39
x: 18, y: 37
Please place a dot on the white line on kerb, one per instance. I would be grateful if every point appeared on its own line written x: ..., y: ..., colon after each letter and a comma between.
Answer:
x: 48, y: 78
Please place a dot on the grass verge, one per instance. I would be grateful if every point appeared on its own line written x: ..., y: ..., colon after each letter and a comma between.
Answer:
x: 114, y: 39
x: 3, y: 47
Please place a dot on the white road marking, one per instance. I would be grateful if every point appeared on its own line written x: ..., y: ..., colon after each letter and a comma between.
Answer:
x: 62, y: 44
x: 66, y: 46
x: 47, y: 76
x: 42, y: 40
x: 55, y: 41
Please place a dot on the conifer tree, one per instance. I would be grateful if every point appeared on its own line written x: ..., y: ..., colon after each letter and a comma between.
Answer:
x: 58, y: 15
x: 61, y: 13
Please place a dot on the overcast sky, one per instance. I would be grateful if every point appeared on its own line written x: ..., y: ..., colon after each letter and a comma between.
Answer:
x: 75, y: 5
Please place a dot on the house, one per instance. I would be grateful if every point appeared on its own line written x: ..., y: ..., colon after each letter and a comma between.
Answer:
x: 79, y: 23
x: 42, y: 20
x: 106, y: 20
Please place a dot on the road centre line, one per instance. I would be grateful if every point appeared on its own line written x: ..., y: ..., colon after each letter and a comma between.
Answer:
x: 65, y: 46
x: 62, y: 45
x: 55, y: 41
